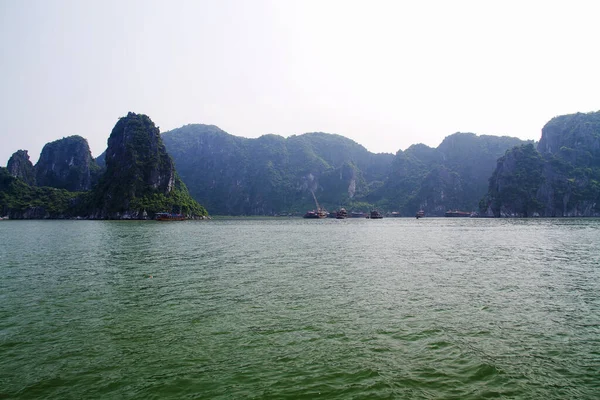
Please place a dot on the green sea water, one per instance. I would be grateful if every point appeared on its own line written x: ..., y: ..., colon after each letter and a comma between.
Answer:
x: 300, y: 309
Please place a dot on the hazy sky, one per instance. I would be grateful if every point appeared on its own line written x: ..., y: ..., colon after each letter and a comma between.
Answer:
x: 386, y: 74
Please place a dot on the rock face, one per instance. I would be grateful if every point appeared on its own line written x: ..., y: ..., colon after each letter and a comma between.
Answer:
x: 137, y: 154
x: 19, y: 166
x: 67, y: 163
x: 140, y: 178
x: 559, y: 179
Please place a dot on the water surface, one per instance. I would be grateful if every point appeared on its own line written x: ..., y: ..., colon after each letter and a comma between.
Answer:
x: 292, y: 308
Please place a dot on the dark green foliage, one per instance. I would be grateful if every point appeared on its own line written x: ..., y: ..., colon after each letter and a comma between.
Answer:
x: 20, y: 200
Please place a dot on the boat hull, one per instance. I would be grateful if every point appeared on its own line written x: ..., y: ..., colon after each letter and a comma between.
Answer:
x: 315, y: 215
x: 170, y: 217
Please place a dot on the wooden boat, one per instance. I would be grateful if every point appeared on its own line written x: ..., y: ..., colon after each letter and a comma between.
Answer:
x: 316, y: 214
x: 375, y: 215
x: 164, y: 216
x: 341, y: 213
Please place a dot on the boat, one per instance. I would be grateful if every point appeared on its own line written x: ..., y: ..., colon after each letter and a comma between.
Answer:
x: 374, y: 214
x: 165, y: 216
x: 318, y: 213
x: 357, y: 214
x: 341, y: 213
x: 456, y: 213
x: 420, y: 214
x: 395, y: 214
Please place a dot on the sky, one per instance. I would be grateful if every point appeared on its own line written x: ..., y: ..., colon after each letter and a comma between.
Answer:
x: 386, y: 74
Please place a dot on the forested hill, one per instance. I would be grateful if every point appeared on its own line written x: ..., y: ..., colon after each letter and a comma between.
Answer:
x: 453, y: 176
x: 561, y: 178
x: 269, y: 175
x: 232, y: 175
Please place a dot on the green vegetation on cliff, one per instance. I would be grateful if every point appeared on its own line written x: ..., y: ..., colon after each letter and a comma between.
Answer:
x: 20, y: 200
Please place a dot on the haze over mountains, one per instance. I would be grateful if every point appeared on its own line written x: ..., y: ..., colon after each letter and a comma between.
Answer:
x: 273, y: 175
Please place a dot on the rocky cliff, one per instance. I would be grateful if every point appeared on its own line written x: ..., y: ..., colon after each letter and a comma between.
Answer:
x: 67, y: 163
x: 19, y: 166
x: 140, y: 178
x: 561, y: 178
x: 514, y: 183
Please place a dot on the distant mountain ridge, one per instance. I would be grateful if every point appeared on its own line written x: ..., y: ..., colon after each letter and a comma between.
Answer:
x: 271, y: 174
x: 232, y: 175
